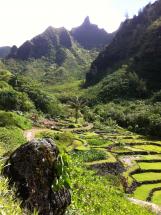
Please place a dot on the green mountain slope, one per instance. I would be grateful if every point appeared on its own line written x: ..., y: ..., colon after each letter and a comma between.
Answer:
x: 4, y: 51
x: 137, y: 43
x: 53, y: 56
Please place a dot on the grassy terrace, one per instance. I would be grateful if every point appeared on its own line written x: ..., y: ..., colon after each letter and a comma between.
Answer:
x: 147, y: 166
x: 147, y: 176
x: 143, y: 191
x: 149, y: 148
x: 157, y: 197
x: 137, y: 152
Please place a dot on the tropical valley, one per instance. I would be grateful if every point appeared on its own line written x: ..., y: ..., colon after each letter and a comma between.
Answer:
x: 80, y: 120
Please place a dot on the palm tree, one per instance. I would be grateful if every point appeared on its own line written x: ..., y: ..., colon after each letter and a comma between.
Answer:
x: 77, y: 103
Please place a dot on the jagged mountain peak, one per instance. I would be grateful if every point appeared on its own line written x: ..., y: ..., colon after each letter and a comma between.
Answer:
x: 87, y: 35
x: 87, y: 21
x: 90, y: 36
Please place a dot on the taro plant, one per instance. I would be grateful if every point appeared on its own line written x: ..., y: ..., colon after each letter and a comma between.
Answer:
x: 62, y: 171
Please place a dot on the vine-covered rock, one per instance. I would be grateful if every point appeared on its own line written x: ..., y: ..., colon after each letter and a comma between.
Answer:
x: 33, y: 169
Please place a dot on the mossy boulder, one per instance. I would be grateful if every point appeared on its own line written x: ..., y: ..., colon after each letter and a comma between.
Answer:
x: 32, y: 169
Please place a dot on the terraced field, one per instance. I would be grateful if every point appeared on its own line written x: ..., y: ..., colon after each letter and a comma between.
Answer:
x: 136, y: 158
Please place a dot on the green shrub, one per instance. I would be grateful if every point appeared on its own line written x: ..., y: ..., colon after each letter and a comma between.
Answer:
x: 13, y: 100
x: 122, y: 84
x: 137, y: 116
x: 43, y: 102
x: 11, y: 138
x: 12, y: 119
x: 92, y: 155
x: 5, y: 75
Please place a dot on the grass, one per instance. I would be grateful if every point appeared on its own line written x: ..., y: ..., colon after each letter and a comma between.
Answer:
x: 150, y: 165
x: 142, y: 192
x: 92, y: 155
x: 150, y: 157
x: 157, y: 197
x: 148, y: 148
x: 98, y: 142
x: 98, y: 195
x: 65, y: 90
x: 150, y: 176
x: 12, y: 119
x: 8, y: 204
x: 10, y: 138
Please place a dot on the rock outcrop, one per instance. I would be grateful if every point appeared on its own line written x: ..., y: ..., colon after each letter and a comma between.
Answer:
x: 32, y: 169
x: 89, y: 36
x: 43, y: 44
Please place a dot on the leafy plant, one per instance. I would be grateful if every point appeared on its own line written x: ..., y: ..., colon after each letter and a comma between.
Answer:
x: 61, y: 169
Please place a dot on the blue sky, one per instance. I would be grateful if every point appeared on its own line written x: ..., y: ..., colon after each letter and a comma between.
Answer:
x: 22, y: 19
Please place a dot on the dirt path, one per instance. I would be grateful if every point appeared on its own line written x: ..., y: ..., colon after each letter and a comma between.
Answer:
x: 153, y: 207
x: 30, y: 134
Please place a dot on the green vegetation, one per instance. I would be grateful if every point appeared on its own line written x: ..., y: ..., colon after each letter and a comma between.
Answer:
x: 143, y: 191
x: 156, y: 197
x: 7, y: 200
x: 12, y: 119
x: 92, y: 125
x: 93, y: 155
x: 91, y: 193
x: 10, y: 139
x: 122, y: 85
x: 147, y: 176
x: 150, y: 165
x: 138, y: 116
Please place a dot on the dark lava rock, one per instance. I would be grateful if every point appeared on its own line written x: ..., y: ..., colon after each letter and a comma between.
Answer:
x: 32, y: 169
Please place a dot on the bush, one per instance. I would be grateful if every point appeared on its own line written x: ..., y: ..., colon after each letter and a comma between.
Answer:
x: 138, y: 116
x: 13, y: 100
x: 11, y: 138
x: 5, y: 75
x: 122, y: 84
x: 92, y: 155
x: 43, y: 102
x: 12, y: 119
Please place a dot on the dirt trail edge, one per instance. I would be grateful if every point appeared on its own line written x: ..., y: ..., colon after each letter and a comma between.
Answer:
x: 30, y: 134
x: 155, y: 208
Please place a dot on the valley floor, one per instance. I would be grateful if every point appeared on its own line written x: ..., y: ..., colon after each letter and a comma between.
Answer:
x: 135, y: 159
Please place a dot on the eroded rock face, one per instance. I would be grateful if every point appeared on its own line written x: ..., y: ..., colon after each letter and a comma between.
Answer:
x: 32, y: 168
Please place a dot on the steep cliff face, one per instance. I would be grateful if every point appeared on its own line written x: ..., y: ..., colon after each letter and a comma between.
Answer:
x: 137, y: 43
x: 89, y: 36
x: 4, y: 51
x: 42, y: 45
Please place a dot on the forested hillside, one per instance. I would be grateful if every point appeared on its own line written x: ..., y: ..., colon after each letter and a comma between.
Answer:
x: 135, y: 44
x: 55, y: 55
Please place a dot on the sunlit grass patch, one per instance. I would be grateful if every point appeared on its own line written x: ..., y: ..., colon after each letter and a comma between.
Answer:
x: 157, y: 197
x: 146, y: 166
x: 147, y: 176
x: 148, y: 147
x: 142, y: 192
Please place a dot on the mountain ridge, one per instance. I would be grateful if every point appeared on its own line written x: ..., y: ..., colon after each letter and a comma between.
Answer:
x: 135, y: 44
x: 53, y: 38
